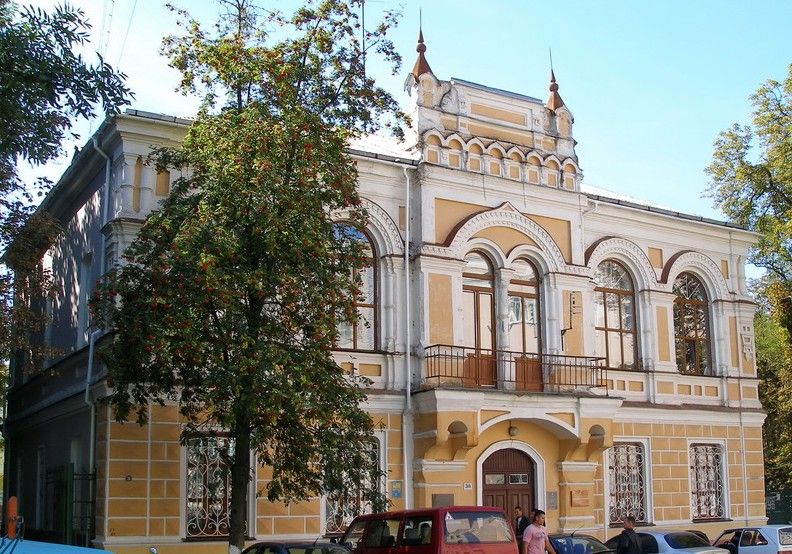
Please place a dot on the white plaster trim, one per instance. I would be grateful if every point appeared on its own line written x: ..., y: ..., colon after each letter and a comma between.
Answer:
x: 383, y: 230
x: 505, y: 215
x: 629, y: 254
x: 703, y: 267
x: 431, y: 466
x: 695, y: 417
x: 539, y: 464
x: 438, y: 485
x: 577, y: 466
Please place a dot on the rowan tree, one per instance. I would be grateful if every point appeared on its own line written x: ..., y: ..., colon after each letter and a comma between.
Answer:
x: 230, y: 298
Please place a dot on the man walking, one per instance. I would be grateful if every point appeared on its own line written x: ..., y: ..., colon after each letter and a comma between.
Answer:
x: 520, y: 523
x: 535, y: 540
x: 628, y: 542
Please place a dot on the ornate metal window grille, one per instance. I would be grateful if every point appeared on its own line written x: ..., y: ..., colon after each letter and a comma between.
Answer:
x: 208, y: 487
x: 338, y: 514
x: 706, y: 482
x: 627, y: 487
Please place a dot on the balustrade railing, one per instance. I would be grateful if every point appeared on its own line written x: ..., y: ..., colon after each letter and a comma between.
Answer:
x: 460, y: 366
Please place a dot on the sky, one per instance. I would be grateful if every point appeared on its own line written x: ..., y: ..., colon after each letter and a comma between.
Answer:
x: 650, y: 84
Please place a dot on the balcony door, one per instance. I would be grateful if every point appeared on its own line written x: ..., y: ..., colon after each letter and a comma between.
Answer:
x: 478, y: 304
x: 525, y: 336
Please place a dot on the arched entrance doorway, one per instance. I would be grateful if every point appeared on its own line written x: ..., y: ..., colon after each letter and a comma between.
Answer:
x: 509, y: 480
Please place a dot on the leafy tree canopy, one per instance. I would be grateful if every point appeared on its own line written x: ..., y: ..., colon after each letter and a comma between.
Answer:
x: 774, y: 367
x: 231, y: 296
x: 751, y: 175
x: 44, y: 86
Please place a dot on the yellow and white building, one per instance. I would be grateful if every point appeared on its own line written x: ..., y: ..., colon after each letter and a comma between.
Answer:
x: 528, y: 342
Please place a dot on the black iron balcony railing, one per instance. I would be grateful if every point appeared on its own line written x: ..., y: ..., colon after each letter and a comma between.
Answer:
x: 460, y: 366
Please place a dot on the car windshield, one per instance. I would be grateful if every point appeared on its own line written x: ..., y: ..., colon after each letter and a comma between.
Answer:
x: 785, y: 536
x: 476, y: 527
x: 577, y: 545
x: 684, y: 540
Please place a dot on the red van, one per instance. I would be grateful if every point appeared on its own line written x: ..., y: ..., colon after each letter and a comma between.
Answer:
x: 447, y: 530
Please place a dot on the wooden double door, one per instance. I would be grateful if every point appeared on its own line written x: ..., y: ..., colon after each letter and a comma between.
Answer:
x: 509, y: 477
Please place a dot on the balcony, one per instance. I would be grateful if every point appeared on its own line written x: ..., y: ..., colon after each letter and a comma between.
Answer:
x: 448, y: 366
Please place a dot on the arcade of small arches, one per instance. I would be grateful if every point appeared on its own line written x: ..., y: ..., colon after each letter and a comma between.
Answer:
x: 501, y: 160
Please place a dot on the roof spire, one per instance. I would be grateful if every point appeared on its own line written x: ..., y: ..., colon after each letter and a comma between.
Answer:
x: 554, y: 101
x: 421, y: 65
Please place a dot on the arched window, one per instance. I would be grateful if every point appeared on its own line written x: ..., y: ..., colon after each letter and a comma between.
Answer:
x: 615, y: 328
x: 361, y: 335
x: 691, y: 325
x: 478, y: 303
x: 479, y: 321
x: 525, y: 334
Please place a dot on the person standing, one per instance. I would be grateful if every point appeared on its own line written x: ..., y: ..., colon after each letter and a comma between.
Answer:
x: 535, y: 539
x: 628, y: 542
x: 520, y: 523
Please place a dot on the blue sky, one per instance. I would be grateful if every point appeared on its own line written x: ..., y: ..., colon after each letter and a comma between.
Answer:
x: 650, y: 84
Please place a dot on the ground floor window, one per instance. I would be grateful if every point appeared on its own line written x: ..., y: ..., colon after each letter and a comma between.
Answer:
x: 706, y: 482
x: 627, y: 478
x: 338, y: 515
x: 208, y: 487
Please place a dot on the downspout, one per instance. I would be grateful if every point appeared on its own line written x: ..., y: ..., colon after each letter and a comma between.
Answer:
x: 93, y: 336
x: 407, y: 422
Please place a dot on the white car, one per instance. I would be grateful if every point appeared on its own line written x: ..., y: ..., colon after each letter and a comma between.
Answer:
x: 764, y: 539
x: 671, y: 542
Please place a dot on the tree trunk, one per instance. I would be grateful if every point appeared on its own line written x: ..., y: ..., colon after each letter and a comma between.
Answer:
x: 240, y: 476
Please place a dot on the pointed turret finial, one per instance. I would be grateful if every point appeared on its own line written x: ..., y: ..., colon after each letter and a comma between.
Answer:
x: 554, y: 101
x: 421, y: 65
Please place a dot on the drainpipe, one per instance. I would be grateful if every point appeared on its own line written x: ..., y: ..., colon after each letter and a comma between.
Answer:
x: 407, y: 416
x: 92, y: 338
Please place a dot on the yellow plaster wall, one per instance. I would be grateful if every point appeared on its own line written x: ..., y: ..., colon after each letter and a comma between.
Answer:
x: 162, y: 187
x: 497, y: 113
x: 655, y: 257
x: 449, y: 213
x: 670, y: 459
x: 441, y: 317
x: 142, y: 480
x: 724, y: 267
x: 494, y: 132
x: 559, y: 230
x: 505, y: 237
x: 663, y: 341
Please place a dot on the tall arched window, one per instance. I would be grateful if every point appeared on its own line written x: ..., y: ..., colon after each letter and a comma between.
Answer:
x: 691, y: 325
x: 479, y: 320
x: 361, y: 335
x: 615, y: 327
x: 525, y: 334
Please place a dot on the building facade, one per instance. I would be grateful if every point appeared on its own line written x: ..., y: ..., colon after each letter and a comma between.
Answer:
x: 527, y: 341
